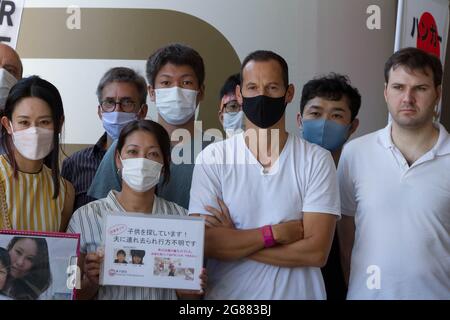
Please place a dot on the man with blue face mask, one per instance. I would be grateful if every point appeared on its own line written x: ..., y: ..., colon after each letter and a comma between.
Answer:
x: 328, y: 110
x: 231, y: 115
x: 122, y: 96
x: 327, y: 117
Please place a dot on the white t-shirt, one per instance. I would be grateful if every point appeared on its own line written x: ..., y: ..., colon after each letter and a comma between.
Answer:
x: 302, y: 180
x: 402, y: 217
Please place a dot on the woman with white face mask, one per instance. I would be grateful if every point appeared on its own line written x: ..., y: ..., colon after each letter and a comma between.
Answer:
x: 142, y: 156
x: 33, y: 196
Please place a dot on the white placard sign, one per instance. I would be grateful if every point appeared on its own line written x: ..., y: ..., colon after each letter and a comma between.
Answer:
x: 155, y: 251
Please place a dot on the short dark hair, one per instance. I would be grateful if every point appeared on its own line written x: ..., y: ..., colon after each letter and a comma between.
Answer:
x: 36, y: 87
x: 414, y: 59
x: 137, y: 253
x: 179, y: 55
x: 264, y: 55
x: 122, y: 252
x: 126, y: 75
x: 230, y: 85
x: 160, y: 134
x: 332, y: 87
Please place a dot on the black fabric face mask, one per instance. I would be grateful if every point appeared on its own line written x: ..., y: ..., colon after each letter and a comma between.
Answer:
x: 264, y: 111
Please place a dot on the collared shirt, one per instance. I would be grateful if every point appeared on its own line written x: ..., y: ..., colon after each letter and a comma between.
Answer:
x: 402, y: 218
x: 80, y: 169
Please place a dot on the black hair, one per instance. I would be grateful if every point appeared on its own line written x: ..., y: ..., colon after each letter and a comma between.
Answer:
x: 230, y: 85
x: 36, y: 87
x: 264, y: 55
x: 5, y: 261
x: 138, y: 253
x: 179, y: 55
x: 125, y: 75
x: 160, y: 134
x: 332, y: 87
x: 414, y: 59
x: 39, y: 278
x: 4, y: 258
x: 121, y: 252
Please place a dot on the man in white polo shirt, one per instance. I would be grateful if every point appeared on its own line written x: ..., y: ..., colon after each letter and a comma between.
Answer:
x: 273, y: 231
x: 395, y: 191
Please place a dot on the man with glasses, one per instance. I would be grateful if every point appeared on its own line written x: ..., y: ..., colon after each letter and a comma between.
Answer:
x: 230, y: 111
x: 175, y: 75
x: 122, y: 95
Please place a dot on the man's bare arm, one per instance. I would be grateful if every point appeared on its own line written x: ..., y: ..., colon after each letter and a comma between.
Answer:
x: 312, y: 250
x: 224, y: 242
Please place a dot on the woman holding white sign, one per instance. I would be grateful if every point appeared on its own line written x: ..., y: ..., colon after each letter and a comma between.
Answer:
x: 143, y: 154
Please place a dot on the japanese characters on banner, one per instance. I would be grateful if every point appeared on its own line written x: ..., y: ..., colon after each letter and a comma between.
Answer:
x: 10, y: 17
x: 153, y: 251
x: 423, y: 24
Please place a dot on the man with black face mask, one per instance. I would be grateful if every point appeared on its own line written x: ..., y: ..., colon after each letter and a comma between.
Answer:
x: 270, y: 199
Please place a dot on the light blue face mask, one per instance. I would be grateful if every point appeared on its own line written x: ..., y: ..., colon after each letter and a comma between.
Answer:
x: 113, y: 122
x: 326, y: 133
x: 233, y: 120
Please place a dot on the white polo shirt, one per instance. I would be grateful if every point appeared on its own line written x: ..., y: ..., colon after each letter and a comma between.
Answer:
x: 302, y: 180
x: 402, y: 217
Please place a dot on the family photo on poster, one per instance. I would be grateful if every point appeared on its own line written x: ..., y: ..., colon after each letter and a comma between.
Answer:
x: 37, y: 266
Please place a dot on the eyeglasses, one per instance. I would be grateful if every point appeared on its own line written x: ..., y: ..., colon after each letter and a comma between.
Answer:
x: 232, y: 106
x: 109, y: 105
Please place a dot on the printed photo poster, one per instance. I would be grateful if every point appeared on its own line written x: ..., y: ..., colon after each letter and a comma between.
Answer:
x: 38, y: 266
x: 154, y: 251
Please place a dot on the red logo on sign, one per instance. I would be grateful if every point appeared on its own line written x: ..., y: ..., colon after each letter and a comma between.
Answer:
x: 117, y: 229
x: 428, y: 38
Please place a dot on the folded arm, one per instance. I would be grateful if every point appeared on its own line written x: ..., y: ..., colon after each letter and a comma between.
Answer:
x: 310, y: 251
x: 224, y: 242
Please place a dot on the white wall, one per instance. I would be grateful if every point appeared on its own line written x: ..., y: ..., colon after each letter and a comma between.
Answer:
x: 313, y: 36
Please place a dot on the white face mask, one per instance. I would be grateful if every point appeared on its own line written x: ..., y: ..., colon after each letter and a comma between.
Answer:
x: 7, y: 81
x: 176, y: 105
x: 233, y: 120
x: 33, y: 143
x: 141, y: 174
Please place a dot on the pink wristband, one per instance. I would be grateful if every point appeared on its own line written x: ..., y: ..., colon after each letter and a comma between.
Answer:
x: 269, y: 241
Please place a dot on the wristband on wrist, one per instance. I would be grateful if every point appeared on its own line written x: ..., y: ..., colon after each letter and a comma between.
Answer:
x: 269, y: 241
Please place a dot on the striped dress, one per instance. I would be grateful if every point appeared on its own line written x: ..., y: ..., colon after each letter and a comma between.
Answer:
x: 29, y: 199
x: 88, y: 222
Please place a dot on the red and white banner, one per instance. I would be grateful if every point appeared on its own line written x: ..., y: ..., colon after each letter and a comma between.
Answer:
x: 423, y: 24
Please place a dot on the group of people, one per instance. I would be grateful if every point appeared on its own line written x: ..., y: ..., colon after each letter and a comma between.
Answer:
x: 287, y: 216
